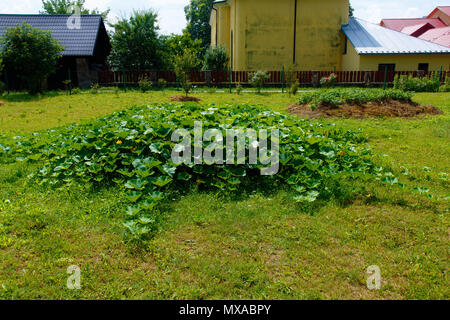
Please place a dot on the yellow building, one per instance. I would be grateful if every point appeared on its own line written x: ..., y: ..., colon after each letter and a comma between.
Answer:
x: 312, y: 35
x: 268, y: 34
x: 370, y: 47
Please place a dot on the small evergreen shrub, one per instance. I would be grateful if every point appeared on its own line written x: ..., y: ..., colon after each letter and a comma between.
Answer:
x: 258, y: 79
x: 238, y: 88
x: 144, y: 84
x: 162, y: 83
x: 294, y: 88
x: 94, y: 88
x: 216, y: 59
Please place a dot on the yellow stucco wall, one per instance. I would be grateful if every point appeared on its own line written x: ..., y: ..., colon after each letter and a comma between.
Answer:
x: 406, y: 62
x: 263, y: 33
x: 213, y: 23
x: 403, y: 62
x: 350, y: 60
x: 224, y: 30
x: 259, y: 35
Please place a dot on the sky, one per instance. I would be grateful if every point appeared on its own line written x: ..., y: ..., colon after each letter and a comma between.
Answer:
x: 172, y: 19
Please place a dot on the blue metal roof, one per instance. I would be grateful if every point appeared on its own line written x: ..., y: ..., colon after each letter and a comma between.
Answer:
x: 77, y: 42
x: 369, y: 38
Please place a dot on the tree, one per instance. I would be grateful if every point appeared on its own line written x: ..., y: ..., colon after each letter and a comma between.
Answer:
x: 351, y: 11
x: 66, y: 7
x: 216, y: 59
x: 176, y: 44
x: 198, y: 13
x: 31, y: 54
x: 136, y: 44
x: 185, y: 63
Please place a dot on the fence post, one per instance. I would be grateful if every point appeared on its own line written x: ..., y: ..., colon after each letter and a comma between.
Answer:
x: 385, y: 77
x: 229, y: 78
x: 282, y: 80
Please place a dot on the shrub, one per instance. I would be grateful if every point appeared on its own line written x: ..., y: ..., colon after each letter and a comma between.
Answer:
x: 238, y: 88
x: 336, y: 97
x: 144, y: 84
x: 216, y: 59
x: 258, y: 79
x: 329, y: 81
x: 94, y: 88
x: 294, y: 88
x: 162, y: 83
x: 446, y: 86
x: 291, y: 81
x: 410, y: 83
x: 31, y: 54
x: 184, y: 64
x: 76, y: 91
x: 116, y: 90
x: 103, y: 153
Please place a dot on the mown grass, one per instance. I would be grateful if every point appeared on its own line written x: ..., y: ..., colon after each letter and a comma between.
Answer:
x: 260, y: 246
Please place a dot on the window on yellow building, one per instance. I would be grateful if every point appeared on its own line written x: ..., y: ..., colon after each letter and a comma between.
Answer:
x: 390, y: 67
x: 423, y: 67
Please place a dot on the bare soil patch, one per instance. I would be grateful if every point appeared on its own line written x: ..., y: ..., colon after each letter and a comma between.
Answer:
x: 389, y: 109
x: 2, y: 103
x: 183, y: 98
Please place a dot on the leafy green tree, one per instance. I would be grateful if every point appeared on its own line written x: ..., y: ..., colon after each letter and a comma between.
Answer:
x: 176, y: 44
x: 185, y: 63
x: 136, y: 44
x: 351, y: 11
x: 65, y: 7
x: 216, y: 59
x: 31, y: 54
x: 198, y: 13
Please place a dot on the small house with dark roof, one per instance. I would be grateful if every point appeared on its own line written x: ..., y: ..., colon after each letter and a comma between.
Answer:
x: 86, y: 45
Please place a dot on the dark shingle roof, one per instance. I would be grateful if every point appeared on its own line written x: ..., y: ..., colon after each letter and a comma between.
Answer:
x: 77, y: 42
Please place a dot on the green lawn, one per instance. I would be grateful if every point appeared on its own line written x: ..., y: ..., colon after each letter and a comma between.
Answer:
x: 255, y: 247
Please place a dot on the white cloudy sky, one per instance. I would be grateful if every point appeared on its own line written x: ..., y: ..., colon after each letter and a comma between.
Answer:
x: 171, y: 14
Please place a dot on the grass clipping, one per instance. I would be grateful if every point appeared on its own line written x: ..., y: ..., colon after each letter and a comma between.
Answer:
x: 359, y: 103
x: 131, y: 151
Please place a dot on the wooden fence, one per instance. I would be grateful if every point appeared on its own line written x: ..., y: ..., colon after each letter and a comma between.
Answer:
x: 277, y: 78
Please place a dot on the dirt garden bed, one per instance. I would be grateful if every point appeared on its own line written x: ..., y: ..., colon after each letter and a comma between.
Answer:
x: 389, y: 109
x: 183, y: 98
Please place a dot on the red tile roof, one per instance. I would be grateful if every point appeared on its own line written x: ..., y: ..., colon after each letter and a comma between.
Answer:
x: 418, y: 29
x: 440, y: 36
x: 400, y: 24
x: 444, y: 9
